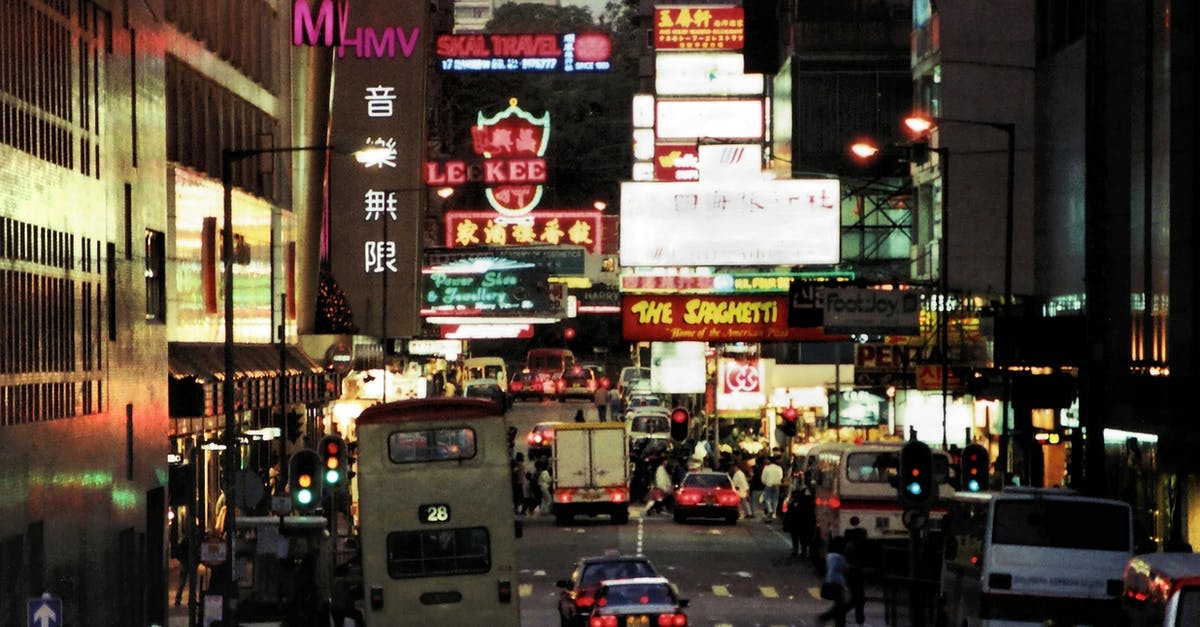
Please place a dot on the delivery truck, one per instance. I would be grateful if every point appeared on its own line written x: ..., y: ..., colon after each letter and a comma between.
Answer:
x: 591, y: 471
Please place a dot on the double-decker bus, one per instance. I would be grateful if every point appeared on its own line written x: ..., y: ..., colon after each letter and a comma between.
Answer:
x: 436, y: 528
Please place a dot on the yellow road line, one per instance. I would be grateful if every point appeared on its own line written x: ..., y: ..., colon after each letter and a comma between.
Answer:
x: 769, y: 592
x: 525, y: 589
x: 720, y: 591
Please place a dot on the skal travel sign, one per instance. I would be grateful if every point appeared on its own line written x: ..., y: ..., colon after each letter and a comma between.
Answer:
x: 507, y: 52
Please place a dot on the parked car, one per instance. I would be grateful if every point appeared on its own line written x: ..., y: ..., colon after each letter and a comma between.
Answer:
x: 577, y: 595
x: 639, y: 601
x: 708, y: 495
x: 578, y: 382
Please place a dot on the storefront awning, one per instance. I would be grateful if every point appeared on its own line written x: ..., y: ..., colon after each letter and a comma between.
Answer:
x: 197, y: 371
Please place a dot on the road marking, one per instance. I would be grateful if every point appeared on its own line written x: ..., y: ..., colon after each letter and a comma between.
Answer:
x: 641, y: 534
x: 769, y: 592
x: 525, y: 589
x: 721, y: 591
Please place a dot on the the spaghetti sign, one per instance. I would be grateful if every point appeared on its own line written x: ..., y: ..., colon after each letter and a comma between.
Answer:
x: 709, y: 319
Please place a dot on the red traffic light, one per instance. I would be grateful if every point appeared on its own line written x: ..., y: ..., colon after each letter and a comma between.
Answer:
x: 679, y: 415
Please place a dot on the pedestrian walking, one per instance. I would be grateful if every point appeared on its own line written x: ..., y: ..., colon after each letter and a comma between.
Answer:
x: 856, y: 554
x: 543, y: 481
x: 660, y: 493
x: 834, y: 587
x: 601, y: 399
x: 516, y: 470
x: 579, y: 415
x: 756, y: 484
x: 772, y: 477
x: 800, y: 519
x: 742, y: 486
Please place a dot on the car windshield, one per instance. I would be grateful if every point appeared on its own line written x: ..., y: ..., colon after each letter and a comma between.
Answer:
x: 649, y: 424
x: 636, y: 594
x: 593, y: 574
x: 715, y: 480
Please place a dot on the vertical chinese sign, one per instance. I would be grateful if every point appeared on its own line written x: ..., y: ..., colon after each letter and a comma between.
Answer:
x: 374, y: 214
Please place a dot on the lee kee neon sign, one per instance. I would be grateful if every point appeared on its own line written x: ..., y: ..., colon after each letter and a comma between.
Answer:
x: 328, y: 29
x: 491, y: 171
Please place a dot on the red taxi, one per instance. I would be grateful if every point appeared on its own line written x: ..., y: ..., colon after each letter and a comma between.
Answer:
x: 706, y: 495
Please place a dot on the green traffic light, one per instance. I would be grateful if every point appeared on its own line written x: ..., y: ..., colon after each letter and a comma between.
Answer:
x: 304, y: 497
x: 332, y: 476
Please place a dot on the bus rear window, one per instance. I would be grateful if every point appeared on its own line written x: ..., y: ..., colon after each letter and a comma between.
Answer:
x: 428, y: 445
x: 438, y: 552
x: 1062, y: 524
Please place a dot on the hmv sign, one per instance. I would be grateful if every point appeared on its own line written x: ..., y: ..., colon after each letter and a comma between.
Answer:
x: 324, y: 23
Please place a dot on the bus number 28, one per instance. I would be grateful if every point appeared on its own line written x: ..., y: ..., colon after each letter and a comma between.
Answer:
x: 434, y: 513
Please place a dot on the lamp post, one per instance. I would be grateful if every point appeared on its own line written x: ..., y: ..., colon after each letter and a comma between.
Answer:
x: 231, y: 457
x: 920, y: 124
x: 866, y: 150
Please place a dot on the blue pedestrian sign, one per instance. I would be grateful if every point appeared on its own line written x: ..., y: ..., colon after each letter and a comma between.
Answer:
x: 45, y: 612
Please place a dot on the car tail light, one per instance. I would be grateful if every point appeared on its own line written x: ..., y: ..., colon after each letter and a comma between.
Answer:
x: 672, y: 620
x: 688, y: 497
x: 728, y: 498
x: 584, y: 601
x: 603, y: 621
x: 834, y: 502
x: 618, y: 495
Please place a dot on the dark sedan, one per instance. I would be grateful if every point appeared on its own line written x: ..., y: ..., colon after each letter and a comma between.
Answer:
x: 639, y: 602
x: 578, y: 594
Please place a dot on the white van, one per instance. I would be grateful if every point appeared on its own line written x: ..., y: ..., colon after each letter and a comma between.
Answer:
x: 1162, y: 590
x: 486, y: 368
x: 1033, y: 556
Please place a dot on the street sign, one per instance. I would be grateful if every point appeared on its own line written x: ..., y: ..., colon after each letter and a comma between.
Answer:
x: 45, y: 612
x: 212, y: 552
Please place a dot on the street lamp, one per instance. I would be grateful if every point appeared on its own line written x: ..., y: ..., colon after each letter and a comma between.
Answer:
x: 230, y: 156
x: 866, y: 149
x: 920, y: 125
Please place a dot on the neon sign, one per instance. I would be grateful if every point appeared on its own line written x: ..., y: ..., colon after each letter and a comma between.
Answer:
x: 328, y: 29
x: 483, y: 228
x: 510, y: 135
x: 496, y: 52
x: 710, y: 319
x: 699, y: 28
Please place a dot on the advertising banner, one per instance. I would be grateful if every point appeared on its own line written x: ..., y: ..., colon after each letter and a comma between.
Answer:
x: 664, y: 317
x: 703, y: 27
x: 740, y: 386
x: 752, y: 223
x: 465, y: 229
x: 524, y: 52
x: 876, y: 312
x: 458, y: 289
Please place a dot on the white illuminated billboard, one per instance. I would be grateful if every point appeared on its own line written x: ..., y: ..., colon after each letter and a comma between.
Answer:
x: 643, y: 111
x: 719, y: 162
x: 750, y: 223
x: 711, y: 119
x: 704, y: 74
x: 678, y: 367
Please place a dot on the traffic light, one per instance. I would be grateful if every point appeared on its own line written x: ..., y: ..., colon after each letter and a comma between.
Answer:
x: 789, y: 415
x: 304, y: 480
x: 916, y: 488
x: 679, y: 424
x: 332, y: 450
x: 975, y: 463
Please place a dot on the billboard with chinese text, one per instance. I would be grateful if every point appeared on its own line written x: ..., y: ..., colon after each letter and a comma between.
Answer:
x: 699, y: 27
x: 486, y: 228
x: 753, y: 223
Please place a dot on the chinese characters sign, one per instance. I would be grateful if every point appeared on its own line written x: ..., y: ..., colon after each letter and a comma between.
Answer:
x: 506, y: 52
x: 484, y: 228
x: 649, y: 318
x: 751, y: 223
x: 371, y: 231
x: 699, y: 28
x: 513, y: 135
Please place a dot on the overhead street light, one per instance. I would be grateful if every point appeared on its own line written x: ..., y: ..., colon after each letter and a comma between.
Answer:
x: 230, y: 156
x: 866, y: 149
x: 920, y: 125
